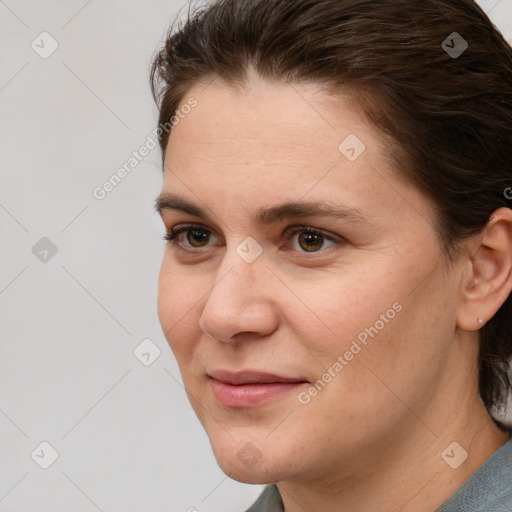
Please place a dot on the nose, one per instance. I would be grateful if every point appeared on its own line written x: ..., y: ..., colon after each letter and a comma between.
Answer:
x: 240, y: 305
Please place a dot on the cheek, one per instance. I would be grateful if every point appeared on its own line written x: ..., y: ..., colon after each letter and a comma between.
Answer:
x: 178, y: 306
x: 342, y: 305
x: 382, y: 328
x: 370, y: 318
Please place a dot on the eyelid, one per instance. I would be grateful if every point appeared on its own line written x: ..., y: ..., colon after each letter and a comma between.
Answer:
x: 336, y: 240
x: 171, y: 234
x: 299, y: 228
x: 288, y: 234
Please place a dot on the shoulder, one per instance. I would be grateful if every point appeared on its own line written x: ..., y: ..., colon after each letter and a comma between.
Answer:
x: 489, y: 488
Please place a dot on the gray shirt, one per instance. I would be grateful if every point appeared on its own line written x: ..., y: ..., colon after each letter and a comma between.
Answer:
x: 489, y: 489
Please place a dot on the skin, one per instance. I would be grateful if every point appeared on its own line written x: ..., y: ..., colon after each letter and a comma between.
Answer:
x: 372, y: 438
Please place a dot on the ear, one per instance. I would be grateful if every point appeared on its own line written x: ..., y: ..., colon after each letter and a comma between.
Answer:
x: 488, y: 281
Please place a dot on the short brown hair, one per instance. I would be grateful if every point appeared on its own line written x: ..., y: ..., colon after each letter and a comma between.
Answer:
x: 447, y: 118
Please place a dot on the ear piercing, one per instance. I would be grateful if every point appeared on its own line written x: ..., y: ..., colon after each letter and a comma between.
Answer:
x: 480, y: 320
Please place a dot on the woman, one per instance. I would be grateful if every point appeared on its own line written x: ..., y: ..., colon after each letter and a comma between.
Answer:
x: 336, y: 286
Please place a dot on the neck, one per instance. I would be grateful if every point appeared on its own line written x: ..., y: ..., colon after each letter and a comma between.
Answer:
x: 408, y: 473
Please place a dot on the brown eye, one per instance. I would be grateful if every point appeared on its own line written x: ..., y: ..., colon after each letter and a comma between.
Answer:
x: 311, y: 242
x: 197, y: 237
x: 189, y: 237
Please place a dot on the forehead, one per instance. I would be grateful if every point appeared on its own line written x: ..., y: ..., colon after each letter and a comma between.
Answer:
x: 261, y: 113
x: 241, y: 149
x: 265, y: 131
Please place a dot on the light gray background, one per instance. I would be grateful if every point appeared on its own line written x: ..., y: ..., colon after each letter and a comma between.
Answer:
x: 126, y: 436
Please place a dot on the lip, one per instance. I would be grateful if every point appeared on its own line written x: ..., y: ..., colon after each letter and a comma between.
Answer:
x: 248, y: 388
x: 251, y: 377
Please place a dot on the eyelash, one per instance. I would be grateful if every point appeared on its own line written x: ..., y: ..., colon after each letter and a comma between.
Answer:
x: 171, y: 237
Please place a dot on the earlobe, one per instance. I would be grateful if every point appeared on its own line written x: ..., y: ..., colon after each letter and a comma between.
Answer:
x: 488, y: 282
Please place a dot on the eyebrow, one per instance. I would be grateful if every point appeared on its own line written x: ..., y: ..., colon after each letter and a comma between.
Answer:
x: 266, y: 216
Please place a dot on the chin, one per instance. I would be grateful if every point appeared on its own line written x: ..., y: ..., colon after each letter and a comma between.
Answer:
x: 246, y: 475
x: 243, y: 462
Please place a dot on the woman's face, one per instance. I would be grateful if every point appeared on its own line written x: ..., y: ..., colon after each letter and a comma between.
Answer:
x: 300, y: 350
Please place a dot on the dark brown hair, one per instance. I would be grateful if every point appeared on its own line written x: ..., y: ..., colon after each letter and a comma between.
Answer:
x: 446, y: 118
